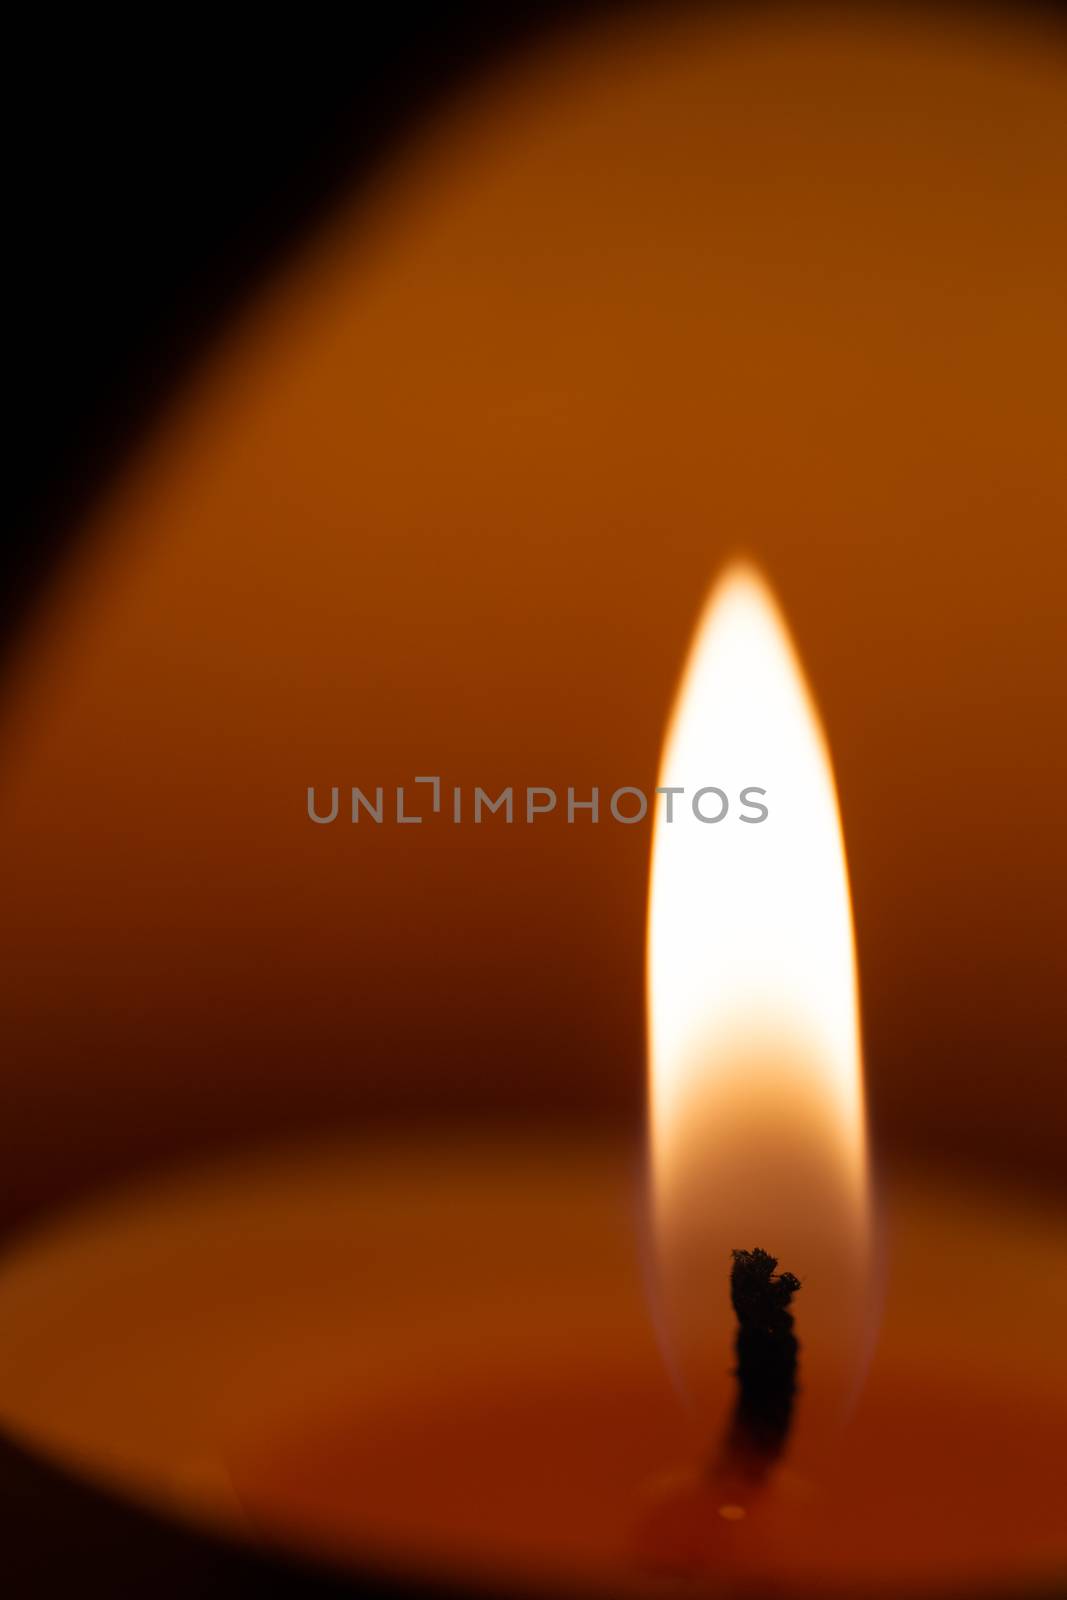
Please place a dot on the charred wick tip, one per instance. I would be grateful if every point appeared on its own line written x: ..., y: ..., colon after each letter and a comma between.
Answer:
x: 767, y: 1353
x: 760, y: 1298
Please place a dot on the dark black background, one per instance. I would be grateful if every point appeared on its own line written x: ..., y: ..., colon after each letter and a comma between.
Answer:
x: 156, y: 167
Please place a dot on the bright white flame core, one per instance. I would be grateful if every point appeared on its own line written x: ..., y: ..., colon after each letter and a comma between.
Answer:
x: 757, y: 1124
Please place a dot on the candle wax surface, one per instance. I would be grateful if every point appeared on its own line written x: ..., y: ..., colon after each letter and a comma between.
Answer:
x: 437, y: 1354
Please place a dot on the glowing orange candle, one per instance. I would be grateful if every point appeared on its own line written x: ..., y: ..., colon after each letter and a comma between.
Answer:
x: 456, y: 486
x: 434, y: 1354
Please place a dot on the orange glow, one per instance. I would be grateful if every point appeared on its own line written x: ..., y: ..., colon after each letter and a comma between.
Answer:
x: 756, y: 1111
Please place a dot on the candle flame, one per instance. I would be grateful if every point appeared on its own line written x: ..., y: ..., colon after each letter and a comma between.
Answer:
x: 756, y: 1111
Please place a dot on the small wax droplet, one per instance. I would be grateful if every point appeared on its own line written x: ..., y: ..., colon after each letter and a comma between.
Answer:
x: 732, y: 1513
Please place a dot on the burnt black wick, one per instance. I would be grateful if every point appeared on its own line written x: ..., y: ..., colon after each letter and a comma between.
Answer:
x: 766, y: 1370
